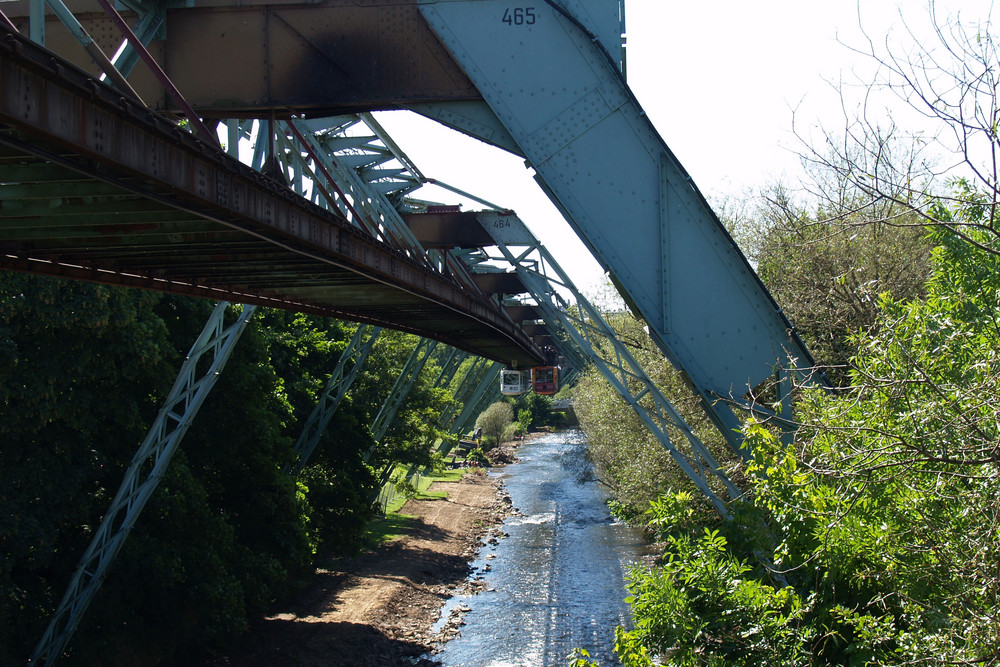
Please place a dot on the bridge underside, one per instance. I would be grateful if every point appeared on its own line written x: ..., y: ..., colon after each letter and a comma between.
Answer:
x: 97, y: 188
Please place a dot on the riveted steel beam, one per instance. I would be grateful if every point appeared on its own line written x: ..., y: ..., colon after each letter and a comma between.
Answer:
x: 351, y: 361
x: 73, y: 128
x: 448, y: 230
x: 254, y: 57
x: 190, y: 389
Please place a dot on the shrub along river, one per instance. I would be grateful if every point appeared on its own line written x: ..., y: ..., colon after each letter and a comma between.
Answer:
x: 557, y: 581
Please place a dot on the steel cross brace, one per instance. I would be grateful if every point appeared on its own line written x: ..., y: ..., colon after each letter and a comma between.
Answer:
x: 404, y: 383
x: 448, y: 370
x: 341, y: 169
x: 590, y: 334
x: 355, y: 354
x: 365, y: 195
x: 308, y: 163
x: 152, y: 19
x: 462, y: 393
x: 450, y: 367
x: 352, y: 161
x: 411, y: 370
x: 485, y: 393
x: 142, y: 476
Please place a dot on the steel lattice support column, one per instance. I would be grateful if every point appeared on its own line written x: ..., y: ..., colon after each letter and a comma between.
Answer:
x: 352, y: 360
x: 485, y: 393
x: 143, y: 474
x: 462, y: 393
x: 554, y: 81
x: 404, y: 383
x: 593, y: 337
x: 450, y: 367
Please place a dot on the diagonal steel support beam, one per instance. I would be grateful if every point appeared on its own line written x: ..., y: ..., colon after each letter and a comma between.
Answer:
x: 90, y: 46
x: 598, y: 157
x: 352, y: 360
x: 462, y: 393
x: 450, y: 367
x: 486, y: 392
x: 142, y: 476
x: 404, y: 383
x: 588, y: 332
x: 151, y: 20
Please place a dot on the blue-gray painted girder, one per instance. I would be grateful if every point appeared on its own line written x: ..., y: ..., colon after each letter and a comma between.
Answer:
x: 486, y: 391
x: 401, y: 388
x: 450, y: 366
x: 489, y: 396
x: 319, y: 159
x: 472, y: 117
x: 367, y: 192
x: 351, y: 361
x: 385, y: 189
x: 143, y: 474
x: 587, y: 331
x: 462, y: 393
x: 555, y: 83
x: 151, y: 25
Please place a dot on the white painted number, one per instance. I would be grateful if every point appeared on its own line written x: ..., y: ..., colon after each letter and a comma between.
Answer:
x: 519, y: 16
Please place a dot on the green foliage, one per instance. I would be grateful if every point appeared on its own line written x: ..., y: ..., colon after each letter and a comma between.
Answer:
x: 829, y: 268
x: 537, y: 406
x: 65, y: 348
x: 83, y: 369
x: 524, y: 419
x: 871, y: 539
x: 671, y: 513
x: 628, y: 457
x: 702, y: 608
x: 494, y: 421
x: 579, y: 658
x: 411, y: 433
x: 477, y: 457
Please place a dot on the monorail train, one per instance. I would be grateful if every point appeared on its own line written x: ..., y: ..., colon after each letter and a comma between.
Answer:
x: 545, y: 379
x: 514, y: 383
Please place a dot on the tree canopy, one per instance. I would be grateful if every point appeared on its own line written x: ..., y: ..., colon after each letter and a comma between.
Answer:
x: 83, y: 370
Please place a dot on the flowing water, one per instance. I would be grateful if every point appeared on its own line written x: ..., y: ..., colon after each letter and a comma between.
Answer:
x: 557, y: 581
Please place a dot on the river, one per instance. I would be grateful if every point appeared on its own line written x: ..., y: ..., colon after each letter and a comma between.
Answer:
x: 557, y: 581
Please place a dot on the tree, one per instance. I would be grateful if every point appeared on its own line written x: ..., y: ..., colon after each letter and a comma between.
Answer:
x: 871, y: 538
x: 83, y: 369
x: 494, y: 421
x: 631, y: 460
x: 951, y: 82
x: 64, y: 348
x: 829, y: 267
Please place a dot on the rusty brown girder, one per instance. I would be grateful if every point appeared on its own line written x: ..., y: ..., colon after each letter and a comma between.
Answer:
x: 95, y: 187
x: 256, y: 58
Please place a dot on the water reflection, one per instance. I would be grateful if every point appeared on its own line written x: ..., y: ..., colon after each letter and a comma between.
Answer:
x: 556, y: 582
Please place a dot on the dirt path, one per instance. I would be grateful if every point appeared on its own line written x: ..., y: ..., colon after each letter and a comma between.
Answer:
x: 378, y: 609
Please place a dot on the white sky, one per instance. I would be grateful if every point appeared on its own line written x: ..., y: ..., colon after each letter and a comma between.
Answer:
x: 719, y: 80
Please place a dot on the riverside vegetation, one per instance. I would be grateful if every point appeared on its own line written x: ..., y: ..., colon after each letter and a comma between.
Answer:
x: 83, y: 369
x: 870, y: 537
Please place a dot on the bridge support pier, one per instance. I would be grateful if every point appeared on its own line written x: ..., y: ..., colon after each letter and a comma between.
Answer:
x: 343, y: 376
x: 143, y: 475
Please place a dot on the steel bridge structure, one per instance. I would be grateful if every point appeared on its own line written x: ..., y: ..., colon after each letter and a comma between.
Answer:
x: 239, y: 162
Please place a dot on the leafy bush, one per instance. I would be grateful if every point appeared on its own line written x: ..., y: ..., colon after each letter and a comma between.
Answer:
x: 494, y: 422
x: 524, y: 419
x: 871, y: 538
x: 477, y: 457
